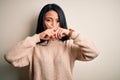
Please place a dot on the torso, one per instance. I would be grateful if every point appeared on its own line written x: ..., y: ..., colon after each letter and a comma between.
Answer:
x: 53, y: 62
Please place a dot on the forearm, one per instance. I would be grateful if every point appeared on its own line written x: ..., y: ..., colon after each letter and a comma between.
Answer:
x: 22, y: 48
x: 85, y: 49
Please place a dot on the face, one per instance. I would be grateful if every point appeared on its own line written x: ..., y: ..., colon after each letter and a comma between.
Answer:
x: 51, y: 19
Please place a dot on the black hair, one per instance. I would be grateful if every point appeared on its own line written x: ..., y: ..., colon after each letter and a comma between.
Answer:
x: 62, y: 19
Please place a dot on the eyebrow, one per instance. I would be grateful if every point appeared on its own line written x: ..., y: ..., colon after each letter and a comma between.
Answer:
x: 51, y: 18
x: 48, y: 17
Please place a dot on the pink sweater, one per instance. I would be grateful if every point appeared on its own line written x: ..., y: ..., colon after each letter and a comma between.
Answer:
x: 53, y: 61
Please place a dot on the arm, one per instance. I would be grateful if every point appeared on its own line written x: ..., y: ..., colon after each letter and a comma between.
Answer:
x: 18, y: 54
x: 83, y: 49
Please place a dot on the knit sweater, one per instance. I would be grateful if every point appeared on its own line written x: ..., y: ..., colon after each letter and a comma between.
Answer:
x: 53, y: 60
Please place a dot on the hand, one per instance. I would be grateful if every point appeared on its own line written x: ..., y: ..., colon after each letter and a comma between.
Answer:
x: 53, y: 33
x: 60, y: 32
x: 48, y: 34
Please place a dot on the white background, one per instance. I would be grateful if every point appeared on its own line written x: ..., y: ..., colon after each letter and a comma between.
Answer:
x: 97, y: 20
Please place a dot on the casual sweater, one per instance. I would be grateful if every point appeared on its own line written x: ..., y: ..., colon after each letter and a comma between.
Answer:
x: 53, y: 60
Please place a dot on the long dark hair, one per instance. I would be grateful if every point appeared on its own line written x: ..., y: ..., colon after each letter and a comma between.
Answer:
x: 62, y: 19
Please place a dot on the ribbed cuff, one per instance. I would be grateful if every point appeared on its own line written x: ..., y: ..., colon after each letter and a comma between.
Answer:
x: 36, y: 38
x: 74, y: 35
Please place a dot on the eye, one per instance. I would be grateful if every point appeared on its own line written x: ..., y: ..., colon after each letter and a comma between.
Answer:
x: 58, y: 21
x: 48, y: 20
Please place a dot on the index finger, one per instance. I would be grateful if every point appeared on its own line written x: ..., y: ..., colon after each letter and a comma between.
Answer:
x: 48, y: 25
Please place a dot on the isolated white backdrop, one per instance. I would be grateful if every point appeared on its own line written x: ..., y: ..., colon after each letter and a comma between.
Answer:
x: 97, y: 20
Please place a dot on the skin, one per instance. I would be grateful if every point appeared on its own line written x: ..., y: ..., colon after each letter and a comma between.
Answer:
x: 53, y: 29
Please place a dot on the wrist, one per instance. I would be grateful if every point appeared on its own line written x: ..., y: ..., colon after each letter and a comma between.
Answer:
x: 70, y: 32
x: 39, y: 35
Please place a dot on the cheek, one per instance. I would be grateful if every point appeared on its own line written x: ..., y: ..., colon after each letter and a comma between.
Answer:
x: 45, y: 23
x: 48, y: 25
x: 59, y: 25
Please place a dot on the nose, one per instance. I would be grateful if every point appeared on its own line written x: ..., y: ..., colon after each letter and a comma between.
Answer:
x: 54, y: 24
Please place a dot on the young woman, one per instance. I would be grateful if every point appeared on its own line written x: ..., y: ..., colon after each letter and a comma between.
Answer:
x: 53, y: 50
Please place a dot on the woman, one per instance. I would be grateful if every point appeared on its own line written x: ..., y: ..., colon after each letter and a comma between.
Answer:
x: 52, y: 51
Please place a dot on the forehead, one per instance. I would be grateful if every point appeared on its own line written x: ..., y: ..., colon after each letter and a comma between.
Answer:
x: 52, y: 14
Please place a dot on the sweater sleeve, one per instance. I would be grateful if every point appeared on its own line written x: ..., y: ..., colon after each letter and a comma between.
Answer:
x: 18, y: 55
x: 82, y: 49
